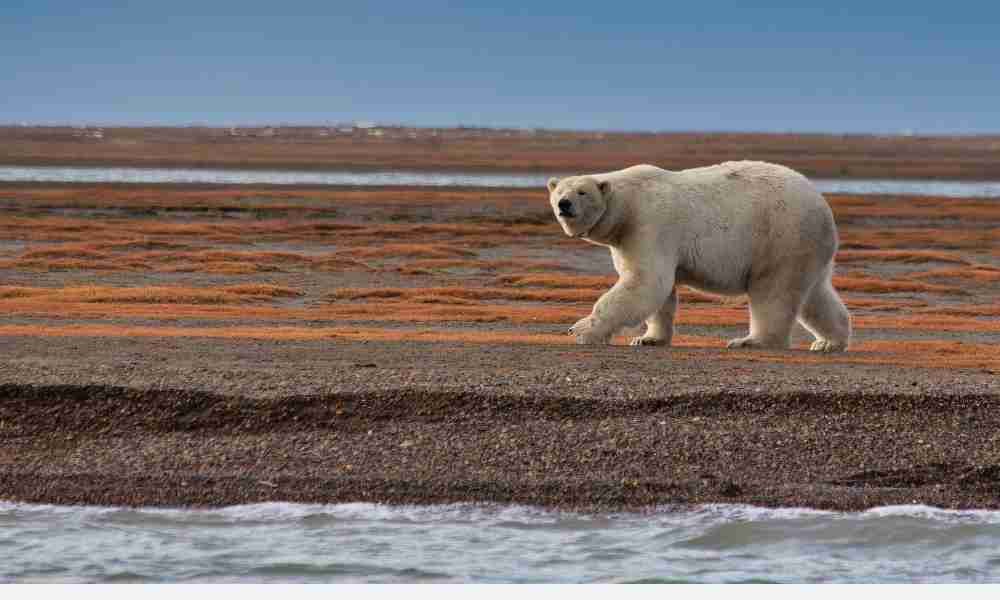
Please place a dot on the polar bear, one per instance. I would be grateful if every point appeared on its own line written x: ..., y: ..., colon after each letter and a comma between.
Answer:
x: 743, y: 227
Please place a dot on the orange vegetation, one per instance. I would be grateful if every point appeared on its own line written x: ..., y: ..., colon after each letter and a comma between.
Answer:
x: 407, y: 250
x: 559, y: 281
x: 919, y: 238
x: 431, y: 264
x: 913, y: 353
x: 962, y: 310
x: 149, y: 295
x: 882, y: 304
x: 77, y: 256
x: 99, y: 232
x: 131, y: 303
x: 903, y: 256
x: 487, y: 265
x: 982, y: 273
x: 299, y: 198
x: 600, y: 283
x: 72, y: 264
x: 465, y: 293
x: 387, y: 312
x: 906, y: 353
x: 847, y: 207
x: 874, y: 285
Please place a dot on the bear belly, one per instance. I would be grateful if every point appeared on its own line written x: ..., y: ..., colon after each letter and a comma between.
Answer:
x: 727, y: 283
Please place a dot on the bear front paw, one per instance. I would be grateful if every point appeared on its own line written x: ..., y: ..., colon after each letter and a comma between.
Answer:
x: 586, y: 332
x: 647, y: 341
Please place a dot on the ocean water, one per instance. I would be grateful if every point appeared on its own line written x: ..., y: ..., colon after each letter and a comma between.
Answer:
x: 234, y: 176
x: 279, y: 542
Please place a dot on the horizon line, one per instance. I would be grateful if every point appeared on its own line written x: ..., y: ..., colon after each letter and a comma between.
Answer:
x: 364, y: 124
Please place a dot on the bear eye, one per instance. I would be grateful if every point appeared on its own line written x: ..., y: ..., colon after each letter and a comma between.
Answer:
x: 581, y: 193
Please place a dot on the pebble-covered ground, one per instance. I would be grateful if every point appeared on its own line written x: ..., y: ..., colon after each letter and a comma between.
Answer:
x: 151, y: 421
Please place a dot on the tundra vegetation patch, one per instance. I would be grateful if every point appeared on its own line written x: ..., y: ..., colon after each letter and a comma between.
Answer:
x: 921, y: 275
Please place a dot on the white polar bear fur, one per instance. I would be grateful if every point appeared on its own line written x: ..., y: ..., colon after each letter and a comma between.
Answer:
x: 736, y: 228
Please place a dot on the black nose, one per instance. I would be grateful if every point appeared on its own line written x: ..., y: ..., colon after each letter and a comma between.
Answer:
x: 565, y: 207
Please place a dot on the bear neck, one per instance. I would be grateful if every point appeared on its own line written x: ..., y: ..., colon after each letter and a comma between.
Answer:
x: 610, y: 227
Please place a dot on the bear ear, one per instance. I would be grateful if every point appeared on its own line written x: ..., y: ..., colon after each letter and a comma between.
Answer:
x: 605, y: 187
x: 553, y: 183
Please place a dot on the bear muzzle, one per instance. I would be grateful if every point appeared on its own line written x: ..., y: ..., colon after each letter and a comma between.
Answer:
x: 566, y: 209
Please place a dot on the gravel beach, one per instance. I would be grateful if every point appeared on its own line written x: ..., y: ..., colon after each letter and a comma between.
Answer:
x: 205, y: 422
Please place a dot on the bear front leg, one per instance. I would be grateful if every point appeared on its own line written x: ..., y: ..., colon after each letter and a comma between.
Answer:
x: 629, y: 302
x: 660, y: 325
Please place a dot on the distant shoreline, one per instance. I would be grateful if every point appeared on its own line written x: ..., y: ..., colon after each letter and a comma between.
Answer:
x: 492, y: 151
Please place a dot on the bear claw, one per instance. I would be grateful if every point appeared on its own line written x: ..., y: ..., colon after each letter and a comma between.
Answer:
x: 644, y: 341
x: 744, y: 342
x: 827, y: 346
x: 585, y: 332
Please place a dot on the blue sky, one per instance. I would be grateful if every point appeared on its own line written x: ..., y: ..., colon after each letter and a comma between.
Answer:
x: 718, y: 66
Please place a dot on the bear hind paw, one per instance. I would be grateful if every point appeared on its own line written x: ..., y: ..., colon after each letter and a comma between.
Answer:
x: 752, y: 342
x: 743, y: 342
x: 828, y: 346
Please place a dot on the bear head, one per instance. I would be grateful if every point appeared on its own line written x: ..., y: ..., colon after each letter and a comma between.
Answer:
x: 578, y: 203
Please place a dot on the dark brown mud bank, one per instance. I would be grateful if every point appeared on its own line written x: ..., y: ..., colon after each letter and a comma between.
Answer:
x: 217, y: 422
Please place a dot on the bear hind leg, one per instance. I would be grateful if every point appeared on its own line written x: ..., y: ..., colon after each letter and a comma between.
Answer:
x: 826, y: 317
x: 771, y: 324
x: 660, y: 325
x: 774, y: 305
